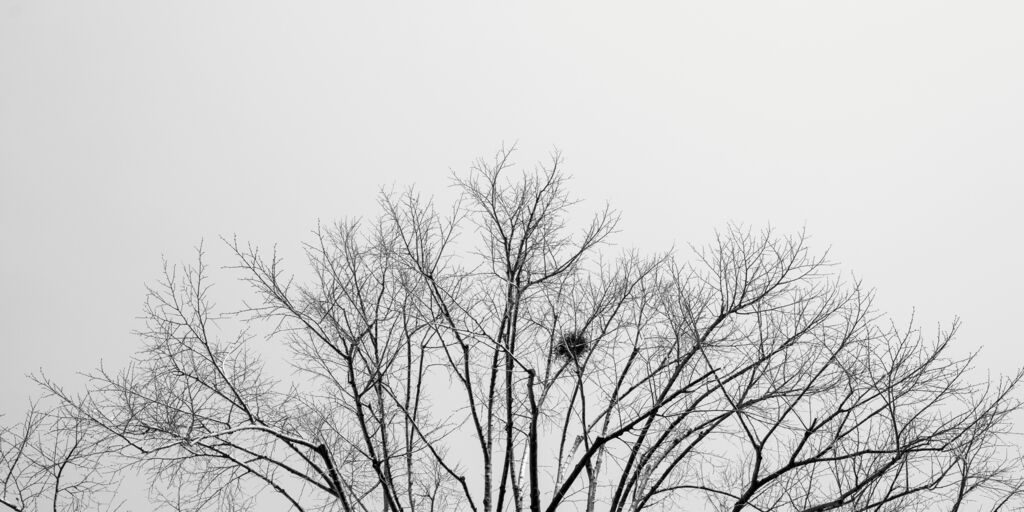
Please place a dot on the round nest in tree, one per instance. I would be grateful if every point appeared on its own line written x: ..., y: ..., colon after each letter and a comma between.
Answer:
x: 572, y: 345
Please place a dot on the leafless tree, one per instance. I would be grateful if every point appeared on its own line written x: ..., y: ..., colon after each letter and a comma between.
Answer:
x: 50, y: 461
x: 490, y: 358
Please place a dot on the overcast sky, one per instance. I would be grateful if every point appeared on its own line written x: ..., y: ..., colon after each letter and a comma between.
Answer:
x: 134, y: 129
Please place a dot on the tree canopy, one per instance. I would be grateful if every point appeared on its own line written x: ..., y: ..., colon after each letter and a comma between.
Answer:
x: 493, y: 356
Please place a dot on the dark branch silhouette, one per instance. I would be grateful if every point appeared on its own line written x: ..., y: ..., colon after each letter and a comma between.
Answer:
x: 491, y: 359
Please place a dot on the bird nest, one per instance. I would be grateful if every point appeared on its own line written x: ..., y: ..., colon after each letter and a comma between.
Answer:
x: 572, y: 345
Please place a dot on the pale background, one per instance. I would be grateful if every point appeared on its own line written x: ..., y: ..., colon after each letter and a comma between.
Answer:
x: 133, y: 129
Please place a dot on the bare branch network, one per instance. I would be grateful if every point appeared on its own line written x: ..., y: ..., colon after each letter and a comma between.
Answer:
x: 488, y: 359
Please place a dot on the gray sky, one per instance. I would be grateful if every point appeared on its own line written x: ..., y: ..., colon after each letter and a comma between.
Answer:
x: 134, y: 129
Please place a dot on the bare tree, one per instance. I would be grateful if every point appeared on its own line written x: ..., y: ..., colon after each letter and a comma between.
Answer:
x: 489, y: 358
x: 51, y: 461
